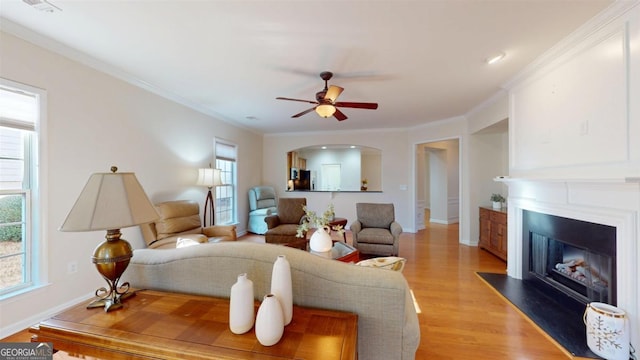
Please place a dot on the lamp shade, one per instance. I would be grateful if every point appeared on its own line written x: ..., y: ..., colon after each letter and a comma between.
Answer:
x: 209, y: 177
x: 110, y: 201
x: 325, y: 110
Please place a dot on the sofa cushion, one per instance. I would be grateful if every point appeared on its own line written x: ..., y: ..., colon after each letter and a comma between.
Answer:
x: 290, y: 211
x: 264, y: 192
x: 168, y: 227
x: 375, y: 215
x: 376, y: 236
x: 264, y: 211
x: 177, y: 217
x: 284, y: 229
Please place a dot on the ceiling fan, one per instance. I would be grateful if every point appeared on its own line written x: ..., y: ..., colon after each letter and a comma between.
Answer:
x: 326, y: 104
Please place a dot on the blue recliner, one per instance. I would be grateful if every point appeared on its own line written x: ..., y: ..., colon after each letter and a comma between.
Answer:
x: 262, y: 203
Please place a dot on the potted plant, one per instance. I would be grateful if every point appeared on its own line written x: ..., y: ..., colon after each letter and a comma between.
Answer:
x: 320, y: 240
x: 364, y: 185
x: 497, y: 200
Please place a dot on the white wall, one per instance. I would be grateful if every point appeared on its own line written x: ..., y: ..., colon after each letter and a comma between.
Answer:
x: 576, y: 114
x: 488, y: 156
x: 95, y: 121
x: 396, y: 166
x: 454, y: 128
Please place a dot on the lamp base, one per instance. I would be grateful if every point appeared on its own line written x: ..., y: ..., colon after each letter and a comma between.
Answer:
x: 108, y: 303
x: 111, y: 258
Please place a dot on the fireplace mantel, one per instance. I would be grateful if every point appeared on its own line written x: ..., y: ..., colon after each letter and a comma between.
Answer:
x: 613, y: 202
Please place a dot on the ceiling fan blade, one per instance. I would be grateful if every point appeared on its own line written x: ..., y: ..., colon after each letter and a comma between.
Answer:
x: 333, y: 92
x: 339, y: 115
x: 290, y: 99
x: 304, y: 112
x: 357, y: 105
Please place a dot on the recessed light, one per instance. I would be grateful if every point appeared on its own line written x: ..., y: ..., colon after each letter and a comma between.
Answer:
x: 324, y: 147
x: 495, y: 59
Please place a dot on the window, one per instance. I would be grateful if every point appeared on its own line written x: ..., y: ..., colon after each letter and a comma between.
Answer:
x: 225, y: 197
x: 20, y: 108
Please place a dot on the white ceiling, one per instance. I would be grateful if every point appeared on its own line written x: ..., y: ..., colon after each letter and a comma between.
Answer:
x: 422, y: 61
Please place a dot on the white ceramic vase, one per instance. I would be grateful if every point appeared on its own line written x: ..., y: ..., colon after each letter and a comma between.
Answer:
x: 497, y: 205
x: 281, y: 286
x: 607, y: 331
x: 241, y: 306
x: 269, y: 321
x: 320, y: 240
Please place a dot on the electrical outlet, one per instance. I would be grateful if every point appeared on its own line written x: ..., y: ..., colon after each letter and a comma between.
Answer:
x: 72, y: 267
x: 584, y: 128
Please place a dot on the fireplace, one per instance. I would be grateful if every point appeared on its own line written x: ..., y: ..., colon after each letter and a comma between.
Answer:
x: 574, y: 257
x: 548, y: 222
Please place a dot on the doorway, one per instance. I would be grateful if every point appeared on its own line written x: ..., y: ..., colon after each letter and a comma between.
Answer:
x: 438, y: 182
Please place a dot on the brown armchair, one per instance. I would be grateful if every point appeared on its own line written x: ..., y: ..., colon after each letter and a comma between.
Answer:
x: 181, y: 220
x: 282, y: 228
x: 376, y: 231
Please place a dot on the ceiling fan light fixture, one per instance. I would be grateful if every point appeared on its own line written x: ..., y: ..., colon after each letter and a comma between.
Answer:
x: 325, y: 110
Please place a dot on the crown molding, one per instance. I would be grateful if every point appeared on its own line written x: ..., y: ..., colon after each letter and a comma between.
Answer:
x: 59, y: 48
x: 614, y: 12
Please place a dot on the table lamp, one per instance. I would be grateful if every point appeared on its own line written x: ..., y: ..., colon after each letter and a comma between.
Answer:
x: 209, y: 177
x: 111, y: 201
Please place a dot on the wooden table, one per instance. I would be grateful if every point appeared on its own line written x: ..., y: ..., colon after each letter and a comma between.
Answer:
x: 159, y: 325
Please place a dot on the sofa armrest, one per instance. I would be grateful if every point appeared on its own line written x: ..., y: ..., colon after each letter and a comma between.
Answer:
x: 355, y: 228
x: 396, y: 229
x: 272, y: 221
x: 228, y: 231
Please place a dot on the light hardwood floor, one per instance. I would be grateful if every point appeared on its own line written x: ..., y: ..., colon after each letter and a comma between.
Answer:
x: 462, y: 318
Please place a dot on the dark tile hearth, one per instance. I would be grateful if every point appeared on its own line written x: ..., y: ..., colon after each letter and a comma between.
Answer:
x: 560, y: 316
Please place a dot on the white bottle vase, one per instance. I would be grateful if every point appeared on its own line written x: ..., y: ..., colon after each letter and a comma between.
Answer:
x: 320, y: 240
x: 281, y: 287
x: 241, y: 306
x: 269, y: 322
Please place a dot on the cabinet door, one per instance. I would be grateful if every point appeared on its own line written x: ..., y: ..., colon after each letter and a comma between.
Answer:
x: 485, y: 228
x: 500, y: 231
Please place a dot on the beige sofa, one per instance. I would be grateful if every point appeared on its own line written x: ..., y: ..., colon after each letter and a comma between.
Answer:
x: 387, y: 322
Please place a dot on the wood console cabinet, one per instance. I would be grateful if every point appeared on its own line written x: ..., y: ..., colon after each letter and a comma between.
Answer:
x: 171, y: 326
x: 493, y: 231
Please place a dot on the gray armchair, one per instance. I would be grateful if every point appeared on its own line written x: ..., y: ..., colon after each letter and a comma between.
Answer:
x: 375, y: 231
x: 282, y: 228
x: 262, y: 203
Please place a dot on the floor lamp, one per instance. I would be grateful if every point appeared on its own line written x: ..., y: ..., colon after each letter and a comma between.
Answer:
x: 111, y: 201
x: 210, y: 178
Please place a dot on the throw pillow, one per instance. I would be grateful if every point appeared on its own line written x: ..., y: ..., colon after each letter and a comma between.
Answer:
x: 390, y: 263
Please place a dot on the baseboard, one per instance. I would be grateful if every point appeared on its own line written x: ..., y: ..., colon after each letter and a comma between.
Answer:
x: 36, y: 318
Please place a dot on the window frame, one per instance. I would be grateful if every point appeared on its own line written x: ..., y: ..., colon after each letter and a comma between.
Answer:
x: 227, y: 188
x: 35, y: 264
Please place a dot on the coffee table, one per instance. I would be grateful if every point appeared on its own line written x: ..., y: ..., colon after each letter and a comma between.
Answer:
x: 162, y: 325
x: 340, y: 251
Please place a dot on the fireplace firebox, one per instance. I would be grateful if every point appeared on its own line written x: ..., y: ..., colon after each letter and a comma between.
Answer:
x: 577, y: 258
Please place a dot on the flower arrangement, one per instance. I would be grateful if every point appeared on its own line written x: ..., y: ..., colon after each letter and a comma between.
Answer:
x: 364, y: 182
x: 497, y: 198
x: 312, y: 220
